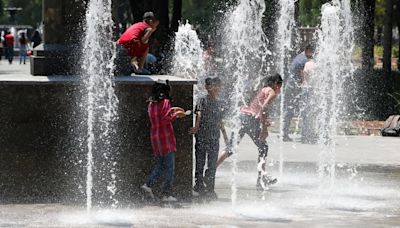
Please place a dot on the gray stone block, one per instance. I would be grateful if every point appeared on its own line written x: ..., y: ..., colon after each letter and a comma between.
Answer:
x: 43, y: 132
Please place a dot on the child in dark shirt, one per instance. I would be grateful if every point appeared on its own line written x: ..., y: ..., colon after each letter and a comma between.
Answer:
x: 207, y: 131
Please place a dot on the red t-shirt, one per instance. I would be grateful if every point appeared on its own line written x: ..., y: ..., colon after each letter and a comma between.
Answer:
x: 131, y: 39
x: 9, y: 39
x: 162, y: 132
x: 135, y: 32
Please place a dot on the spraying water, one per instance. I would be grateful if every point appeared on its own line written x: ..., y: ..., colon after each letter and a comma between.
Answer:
x: 333, y: 61
x: 283, y: 43
x: 188, y: 56
x: 101, y: 102
x: 245, y: 54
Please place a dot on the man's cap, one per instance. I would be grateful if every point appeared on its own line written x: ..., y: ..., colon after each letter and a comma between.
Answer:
x: 149, y: 15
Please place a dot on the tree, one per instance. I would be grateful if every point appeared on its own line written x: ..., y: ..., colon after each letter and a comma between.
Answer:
x: 398, y: 29
x: 387, y: 38
x: 161, y: 9
x: 310, y: 12
x: 31, y: 13
x: 176, y: 15
x: 367, y: 33
x: 1, y: 10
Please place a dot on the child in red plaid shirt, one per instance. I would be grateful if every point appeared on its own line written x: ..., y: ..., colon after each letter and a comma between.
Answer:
x: 163, y: 142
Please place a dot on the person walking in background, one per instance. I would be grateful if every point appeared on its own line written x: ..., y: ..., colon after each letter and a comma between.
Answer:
x: 254, y: 122
x: 309, y: 109
x: 9, y: 46
x: 292, y: 89
x: 36, y: 39
x: 23, y: 42
x: 136, y: 38
x: 163, y: 140
x: 1, y: 45
x: 209, y: 113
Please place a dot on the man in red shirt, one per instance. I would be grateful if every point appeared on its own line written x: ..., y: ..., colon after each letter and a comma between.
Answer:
x: 135, y: 39
x: 9, y: 46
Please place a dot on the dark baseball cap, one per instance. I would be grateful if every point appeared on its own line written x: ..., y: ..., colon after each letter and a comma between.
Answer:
x: 149, y: 15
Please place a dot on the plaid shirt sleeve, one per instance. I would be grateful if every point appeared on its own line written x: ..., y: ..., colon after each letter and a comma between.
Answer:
x: 168, y: 115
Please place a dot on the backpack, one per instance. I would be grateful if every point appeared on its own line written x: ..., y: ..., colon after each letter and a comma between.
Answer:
x: 391, y: 126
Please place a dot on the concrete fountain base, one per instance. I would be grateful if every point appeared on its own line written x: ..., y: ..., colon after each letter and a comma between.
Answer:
x: 43, y: 138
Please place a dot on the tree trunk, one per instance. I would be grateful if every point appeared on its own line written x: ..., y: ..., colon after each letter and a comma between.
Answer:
x: 379, y: 34
x: 137, y: 7
x: 368, y: 8
x: 387, y: 38
x: 160, y: 7
x: 398, y: 29
x: 176, y: 15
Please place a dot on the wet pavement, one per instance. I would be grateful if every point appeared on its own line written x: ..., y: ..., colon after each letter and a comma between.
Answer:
x: 365, y: 193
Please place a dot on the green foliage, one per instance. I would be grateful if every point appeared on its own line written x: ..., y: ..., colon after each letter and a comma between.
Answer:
x: 310, y: 12
x: 379, y: 12
x: 31, y: 13
x: 395, y: 52
x: 202, y: 13
x: 378, y: 51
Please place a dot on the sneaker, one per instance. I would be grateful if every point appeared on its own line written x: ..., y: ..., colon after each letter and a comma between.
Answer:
x: 143, y: 72
x: 198, y: 189
x: 148, y: 190
x: 212, y: 195
x: 259, y: 187
x: 268, y: 180
x: 287, y: 139
x: 169, y: 199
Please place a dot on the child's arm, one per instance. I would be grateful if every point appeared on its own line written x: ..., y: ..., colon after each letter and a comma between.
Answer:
x: 167, y: 113
x: 146, y: 37
x: 196, y: 127
x: 270, y: 98
x: 198, y: 112
x: 226, y: 139
x: 147, y: 34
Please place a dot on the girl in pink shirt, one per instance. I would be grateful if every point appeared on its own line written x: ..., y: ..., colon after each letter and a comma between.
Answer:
x: 254, y: 122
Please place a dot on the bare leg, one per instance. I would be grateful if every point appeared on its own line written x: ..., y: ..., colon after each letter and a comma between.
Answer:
x: 223, y: 155
x: 142, y: 60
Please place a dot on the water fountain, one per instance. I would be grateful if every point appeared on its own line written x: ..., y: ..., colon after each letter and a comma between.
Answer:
x: 34, y: 165
x: 245, y: 51
x: 334, y: 67
x: 188, y: 57
x: 284, y: 47
x: 98, y: 56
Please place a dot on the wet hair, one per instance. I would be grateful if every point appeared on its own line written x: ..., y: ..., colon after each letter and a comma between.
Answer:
x: 209, y: 82
x: 275, y: 79
x: 212, y: 81
x: 216, y: 81
x: 160, y: 92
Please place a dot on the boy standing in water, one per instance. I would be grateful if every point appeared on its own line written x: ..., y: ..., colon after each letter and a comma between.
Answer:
x: 163, y: 141
x: 254, y: 122
x: 136, y: 38
x: 207, y: 128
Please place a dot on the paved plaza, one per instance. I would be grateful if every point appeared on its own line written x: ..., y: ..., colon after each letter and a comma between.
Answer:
x: 365, y: 192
